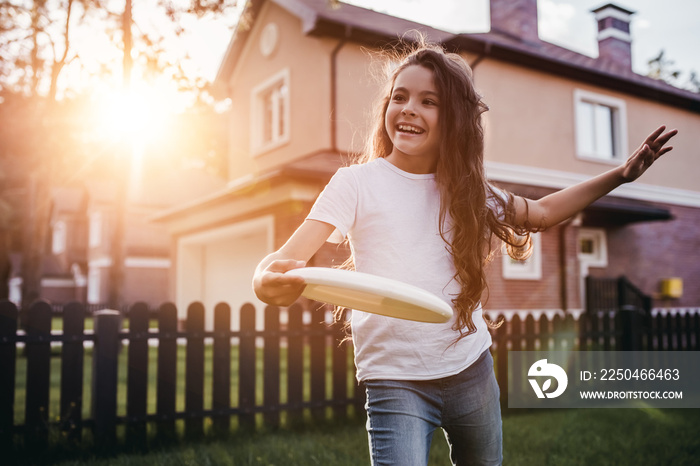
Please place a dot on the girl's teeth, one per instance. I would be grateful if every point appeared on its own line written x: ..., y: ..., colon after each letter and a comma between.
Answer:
x: 410, y: 129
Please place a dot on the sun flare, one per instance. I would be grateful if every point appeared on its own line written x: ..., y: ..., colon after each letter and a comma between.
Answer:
x: 137, y: 115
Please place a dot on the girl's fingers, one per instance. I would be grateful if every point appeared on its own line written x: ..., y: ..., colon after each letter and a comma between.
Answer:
x: 662, y: 140
x: 653, y: 136
x: 280, y: 279
x: 657, y: 139
x: 285, y: 265
x: 663, y: 151
x: 281, y: 290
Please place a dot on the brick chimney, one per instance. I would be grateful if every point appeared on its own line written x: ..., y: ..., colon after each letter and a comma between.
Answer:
x: 614, y: 39
x: 517, y: 18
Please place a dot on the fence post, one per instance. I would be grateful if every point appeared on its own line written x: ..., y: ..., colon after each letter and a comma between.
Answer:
x: 104, y: 376
x: 318, y: 361
x: 246, y: 367
x: 38, y: 351
x: 166, y: 371
x: 137, y: 375
x: 271, y: 367
x: 588, y: 293
x: 72, y: 358
x: 629, y: 320
x: 295, y: 363
x: 530, y: 336
x: 8, y: 358
x: 340, y: 369
x: 501, y: 337
x: 221, y: 371
x: 194, y: 371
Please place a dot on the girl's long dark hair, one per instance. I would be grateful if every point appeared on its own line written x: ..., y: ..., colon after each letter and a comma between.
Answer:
x: 471, y: 210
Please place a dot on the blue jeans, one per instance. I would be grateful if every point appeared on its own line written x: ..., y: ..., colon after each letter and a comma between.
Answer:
x: 403, y: 415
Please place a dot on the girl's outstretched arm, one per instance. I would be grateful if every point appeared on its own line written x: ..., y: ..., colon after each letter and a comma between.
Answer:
x: 557, y: 207
x: 270, y: 283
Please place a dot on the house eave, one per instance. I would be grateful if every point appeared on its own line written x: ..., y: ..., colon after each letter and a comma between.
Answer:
x: 245, y: 196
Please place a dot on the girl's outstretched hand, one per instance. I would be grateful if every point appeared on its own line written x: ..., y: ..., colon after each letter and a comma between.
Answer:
x: 651, y: 149
x: 273, y: 286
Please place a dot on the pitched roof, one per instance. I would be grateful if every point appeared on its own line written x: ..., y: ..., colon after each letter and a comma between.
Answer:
x: 376, y: 29
x: 320, y: 19
x: 561, y: 61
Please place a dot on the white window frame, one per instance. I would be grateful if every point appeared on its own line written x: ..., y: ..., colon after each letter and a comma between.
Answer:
x: 94, y: 281
x: 619, y: 123
x: 95, y: 230
x: 281, y: 108
x: 528, y: 269
x: 599, y: 256
x: 15, y: 284
x: 58, y: 237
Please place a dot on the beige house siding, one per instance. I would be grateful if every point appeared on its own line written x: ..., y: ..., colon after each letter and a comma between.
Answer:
x: 359, y: 84
x: 531, y: 123
x: 308, y: 63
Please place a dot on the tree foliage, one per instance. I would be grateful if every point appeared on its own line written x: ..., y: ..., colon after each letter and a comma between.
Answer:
x: 664, y: 69
x: 45, y: 99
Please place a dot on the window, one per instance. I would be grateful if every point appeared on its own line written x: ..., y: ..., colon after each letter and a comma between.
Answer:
x: 592, y: 247
x: 271, y: 113
x: 95, y: 233
x: 94, y: 292
x: 58, y: 240
x: 601, y: 127
x: 529, y: 269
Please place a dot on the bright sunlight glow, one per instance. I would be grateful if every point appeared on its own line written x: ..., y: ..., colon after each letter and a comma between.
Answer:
x: 136, y: 116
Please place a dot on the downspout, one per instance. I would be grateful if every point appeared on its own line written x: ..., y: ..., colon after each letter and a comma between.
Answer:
x: 482, y: 55
x: 334, y: 88
x: 563, y: 273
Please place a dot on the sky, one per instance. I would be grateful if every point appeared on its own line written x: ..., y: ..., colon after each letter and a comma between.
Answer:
x: 671, y: 25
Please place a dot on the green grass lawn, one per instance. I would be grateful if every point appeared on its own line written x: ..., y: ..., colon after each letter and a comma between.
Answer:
x: 581, y: 437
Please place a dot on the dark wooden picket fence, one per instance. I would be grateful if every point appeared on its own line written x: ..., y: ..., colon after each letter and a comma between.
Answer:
x: 305, y: 393
x: 307, y: 360
x: 618, y: 317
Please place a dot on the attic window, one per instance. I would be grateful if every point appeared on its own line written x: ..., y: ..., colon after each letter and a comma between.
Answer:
x: 601, y: 127
x: 270, y: 113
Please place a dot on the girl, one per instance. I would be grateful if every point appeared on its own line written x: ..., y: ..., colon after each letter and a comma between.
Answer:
x: 421, y: 211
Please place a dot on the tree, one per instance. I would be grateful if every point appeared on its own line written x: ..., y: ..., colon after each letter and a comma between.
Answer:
x: 663, y: 69
x: 36, y: 48
x: 34, y: 52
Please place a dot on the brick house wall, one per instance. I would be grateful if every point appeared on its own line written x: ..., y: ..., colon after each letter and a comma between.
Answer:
x: 649, y: 252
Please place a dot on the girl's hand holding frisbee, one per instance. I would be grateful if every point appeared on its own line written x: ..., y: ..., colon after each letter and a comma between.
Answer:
x: 273, y: 286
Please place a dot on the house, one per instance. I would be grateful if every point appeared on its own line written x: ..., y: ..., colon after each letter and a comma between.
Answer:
x: 299, y: 75
x: 78, y: 262
x: 146, y: 244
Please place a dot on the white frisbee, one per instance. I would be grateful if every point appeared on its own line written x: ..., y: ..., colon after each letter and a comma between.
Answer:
x: 371, y: 293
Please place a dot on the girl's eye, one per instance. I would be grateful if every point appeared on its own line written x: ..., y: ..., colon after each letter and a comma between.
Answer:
x: 429, y: 102
x: 397, y: 97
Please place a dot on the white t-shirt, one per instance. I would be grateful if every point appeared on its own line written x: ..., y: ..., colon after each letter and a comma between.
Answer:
x: 391, y: 219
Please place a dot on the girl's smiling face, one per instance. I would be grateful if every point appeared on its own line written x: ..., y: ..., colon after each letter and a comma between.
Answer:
x: 412, y: 122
